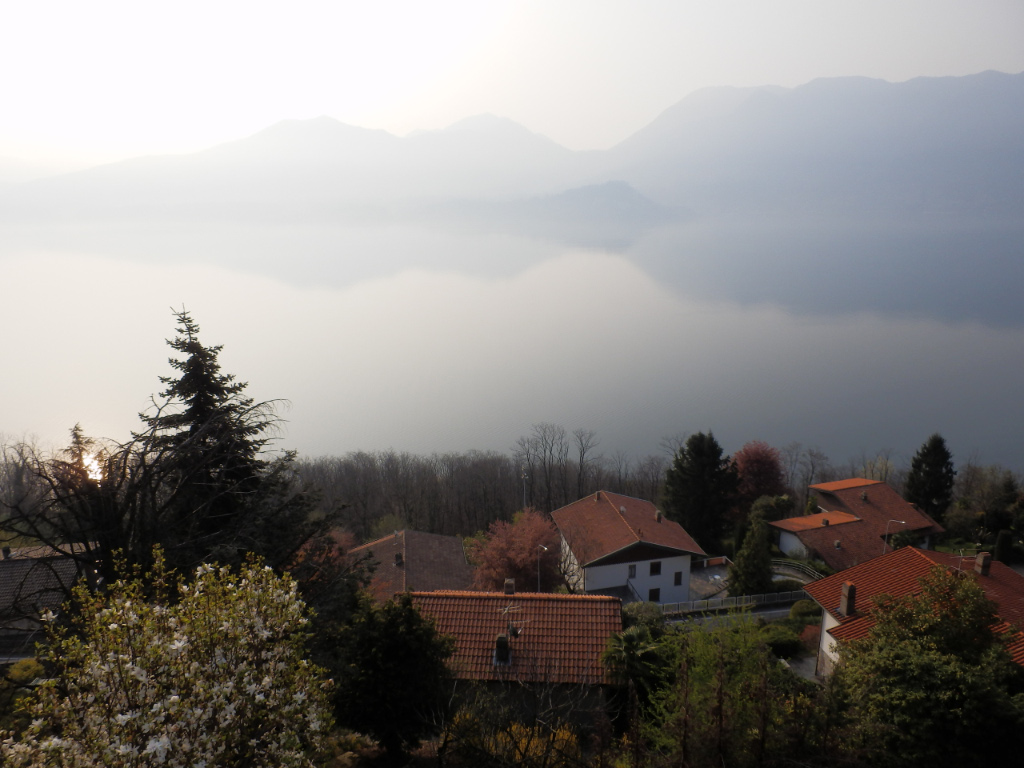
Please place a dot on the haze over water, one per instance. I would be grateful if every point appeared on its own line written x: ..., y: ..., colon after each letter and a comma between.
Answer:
x: 456, y: 324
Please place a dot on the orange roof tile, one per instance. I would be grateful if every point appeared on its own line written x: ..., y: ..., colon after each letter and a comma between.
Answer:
x: 820, y: 520
x: 842, y: 485
x: 899, y: 573
x: 605, y: 523
x: 877, y: 507
x: 413, y: 560
x: 561, y: 637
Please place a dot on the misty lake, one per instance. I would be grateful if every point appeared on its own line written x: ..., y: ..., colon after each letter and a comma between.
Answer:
x: 488, y: 334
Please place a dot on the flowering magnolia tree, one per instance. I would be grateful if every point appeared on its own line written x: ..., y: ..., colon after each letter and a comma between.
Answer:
x: 158, y: 672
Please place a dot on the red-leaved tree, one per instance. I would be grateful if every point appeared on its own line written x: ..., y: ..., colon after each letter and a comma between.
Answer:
x: 518, y: 550
x: 759, y: 467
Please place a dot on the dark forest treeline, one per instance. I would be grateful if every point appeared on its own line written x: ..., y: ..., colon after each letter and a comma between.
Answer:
x: 458, y: 494
x: 462, y: 493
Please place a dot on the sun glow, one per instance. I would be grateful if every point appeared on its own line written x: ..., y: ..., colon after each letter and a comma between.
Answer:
x: 92, y: 467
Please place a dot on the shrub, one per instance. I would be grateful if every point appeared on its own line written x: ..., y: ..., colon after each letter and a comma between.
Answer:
x: 14, y: 688
x: 787, y: 585
x: 810, y: 637
x: 806, y: 611
x: 486, y: 732
x: 783, y: 641
x: 162, y: 673
x: 648, y: 615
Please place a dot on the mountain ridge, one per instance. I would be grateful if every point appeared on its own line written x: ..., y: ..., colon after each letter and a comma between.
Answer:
x: 722, y: 192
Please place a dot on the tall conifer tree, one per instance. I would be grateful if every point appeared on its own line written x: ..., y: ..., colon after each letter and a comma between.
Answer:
x: 930, y: 482
x: 699, y: 489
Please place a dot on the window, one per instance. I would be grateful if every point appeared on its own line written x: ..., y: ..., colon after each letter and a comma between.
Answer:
x: 654, y: 595
x: 678, y: 580
x: 632, y: 571
x: 656, y: 569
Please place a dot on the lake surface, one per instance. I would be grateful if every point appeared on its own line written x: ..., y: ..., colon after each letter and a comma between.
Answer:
x: 422, y: 339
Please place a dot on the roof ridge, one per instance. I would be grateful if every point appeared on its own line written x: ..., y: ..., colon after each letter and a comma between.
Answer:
x: 515, y: 596
x: 626, y: 496
x: 382, y: 538
x: 622, y: 517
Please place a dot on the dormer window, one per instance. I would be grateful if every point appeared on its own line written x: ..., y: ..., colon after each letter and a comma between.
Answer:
x: 502, y: 651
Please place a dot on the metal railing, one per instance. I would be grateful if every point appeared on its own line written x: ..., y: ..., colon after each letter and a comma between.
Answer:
x: 629, y: 583
x: 799, y: 567
x: 727, y: 603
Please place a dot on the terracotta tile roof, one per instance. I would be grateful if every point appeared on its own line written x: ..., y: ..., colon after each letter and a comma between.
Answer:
x: 413, y: 560
x: 820, y: 520
x: 899, y: 573
x: 30, y: 585
x: 874, y: 504
x: 605, y: 523
x: 843, y: 485
x: 561, y: 637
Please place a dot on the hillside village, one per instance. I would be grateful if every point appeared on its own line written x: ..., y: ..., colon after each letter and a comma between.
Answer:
x: 719, y: 623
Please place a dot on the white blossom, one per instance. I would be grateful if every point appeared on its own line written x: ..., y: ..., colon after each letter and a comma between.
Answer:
x: 168, y: 691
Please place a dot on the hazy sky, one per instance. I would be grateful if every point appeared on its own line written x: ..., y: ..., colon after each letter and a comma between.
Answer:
x: 112, y: 78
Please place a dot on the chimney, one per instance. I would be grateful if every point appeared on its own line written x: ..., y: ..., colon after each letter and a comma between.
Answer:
x: 510, y: 586
x: 7, y: 553
x: 399, y: 560
x: 982, y: 563
x: 502, y: 652
x: 657, y: 515
x: 824, y: 521
x: 848, y: 599
x: 597, y: 496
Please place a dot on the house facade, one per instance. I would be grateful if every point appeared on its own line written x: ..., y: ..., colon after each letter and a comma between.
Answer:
x: 625, y: 547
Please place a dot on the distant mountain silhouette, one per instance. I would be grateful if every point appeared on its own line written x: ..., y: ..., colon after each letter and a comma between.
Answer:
x: 745, y: 194
x: 319, y: 170
x: 837, y: 145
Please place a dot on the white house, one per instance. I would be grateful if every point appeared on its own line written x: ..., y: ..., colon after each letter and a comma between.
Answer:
x: 619, y: 545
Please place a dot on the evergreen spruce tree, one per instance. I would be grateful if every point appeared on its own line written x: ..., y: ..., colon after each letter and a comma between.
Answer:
x: 196, y: 479
x: 208, y: 435
x: 220, y: 495
x: 699, y: 489
x: 930, y: 482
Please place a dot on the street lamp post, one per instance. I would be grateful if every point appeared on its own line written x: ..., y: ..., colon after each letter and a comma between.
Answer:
x: 886, y: 539
x: 539, y: 548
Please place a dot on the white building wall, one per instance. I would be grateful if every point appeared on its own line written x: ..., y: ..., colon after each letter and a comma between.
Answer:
x: 617, y: 575
x: 828, y: 654
x: 574, y: 575
x: 791, y: 545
